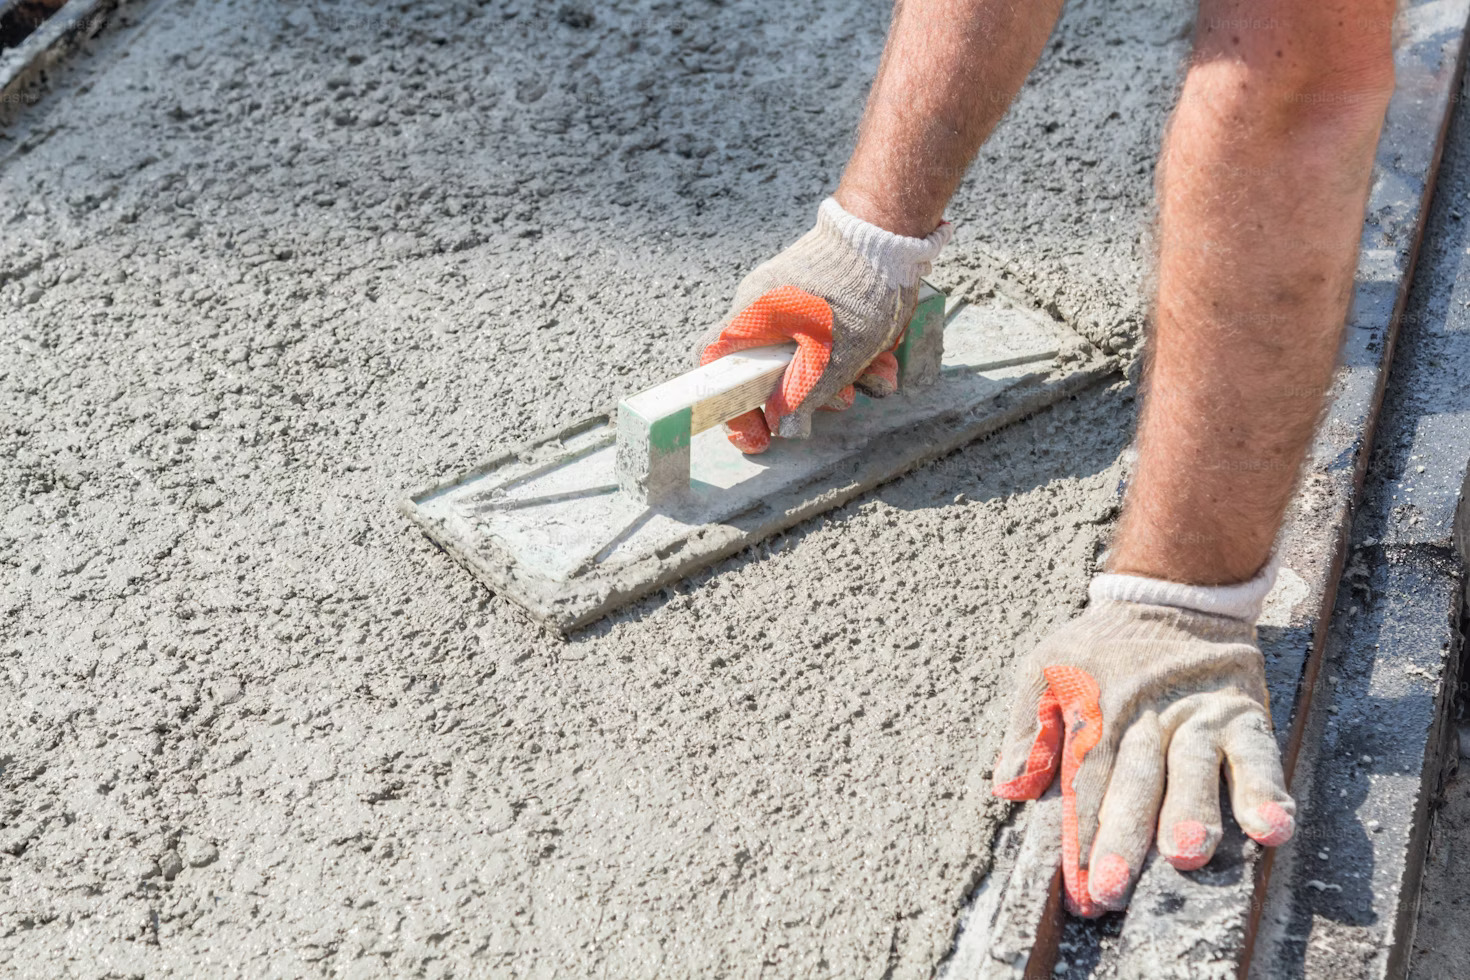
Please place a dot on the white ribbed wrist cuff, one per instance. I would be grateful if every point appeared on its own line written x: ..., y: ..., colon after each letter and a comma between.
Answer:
x: 1241, y: 601
x: 900, y: 260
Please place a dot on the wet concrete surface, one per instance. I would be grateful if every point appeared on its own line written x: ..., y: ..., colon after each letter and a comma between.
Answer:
x: 265, y: 267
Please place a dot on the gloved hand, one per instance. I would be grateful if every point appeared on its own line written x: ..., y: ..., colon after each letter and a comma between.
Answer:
x: 844, y: 292
x: 1139, y: 699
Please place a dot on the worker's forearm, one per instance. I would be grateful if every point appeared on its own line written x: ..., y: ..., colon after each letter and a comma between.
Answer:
x: 1262, y: 189
x: 949, y: 72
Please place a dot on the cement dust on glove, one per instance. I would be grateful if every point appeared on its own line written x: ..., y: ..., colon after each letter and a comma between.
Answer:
x: 1139, y: 701
x: 843, y: 292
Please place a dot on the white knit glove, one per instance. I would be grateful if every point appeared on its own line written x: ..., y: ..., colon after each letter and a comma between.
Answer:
x: 1139, y: 700
x: 844, y: 292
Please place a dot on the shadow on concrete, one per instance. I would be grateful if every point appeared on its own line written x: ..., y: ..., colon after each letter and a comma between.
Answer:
x: 1019, y: 459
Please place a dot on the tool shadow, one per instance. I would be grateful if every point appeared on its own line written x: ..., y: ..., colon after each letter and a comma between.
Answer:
x: 973, y: 505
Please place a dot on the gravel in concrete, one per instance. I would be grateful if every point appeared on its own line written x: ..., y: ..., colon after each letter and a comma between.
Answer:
x: 266, y: 266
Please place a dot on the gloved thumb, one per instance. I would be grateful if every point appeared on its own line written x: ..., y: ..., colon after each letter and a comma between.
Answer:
x: 1032, y: 749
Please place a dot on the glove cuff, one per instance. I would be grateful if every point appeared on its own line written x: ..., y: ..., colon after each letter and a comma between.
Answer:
x: 1242, y: 601
x: 901, y: 261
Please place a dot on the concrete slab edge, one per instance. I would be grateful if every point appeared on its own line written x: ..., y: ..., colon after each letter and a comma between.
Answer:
x: 1205, y: 924
x: 1343, y: 901
x: 1429, y: 61
x: 1381, y: 743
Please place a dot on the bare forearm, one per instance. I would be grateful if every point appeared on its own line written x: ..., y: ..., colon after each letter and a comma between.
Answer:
x: 949, y: 72
x: 1262, y: 189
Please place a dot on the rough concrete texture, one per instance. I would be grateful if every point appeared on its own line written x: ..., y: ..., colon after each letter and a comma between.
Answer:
x: 1344, y: 891
x: 1441, y: 944
x: 267, y: 266
x: 1429, y: 496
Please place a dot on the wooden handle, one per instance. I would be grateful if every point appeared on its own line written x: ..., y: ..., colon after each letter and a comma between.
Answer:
x: 719, y: 391
x: 655, y: 426
x: 738, y: 382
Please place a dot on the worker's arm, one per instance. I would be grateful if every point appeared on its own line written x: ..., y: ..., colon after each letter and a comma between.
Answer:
x: 846, y: 289
x: 1263, y: 183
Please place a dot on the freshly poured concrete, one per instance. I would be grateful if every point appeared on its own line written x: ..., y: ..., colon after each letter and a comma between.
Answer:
x: 267, y: 267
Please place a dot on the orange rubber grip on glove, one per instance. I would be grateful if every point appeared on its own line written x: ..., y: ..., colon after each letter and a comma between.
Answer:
x: 1071, y: 726
x: 783, y: 315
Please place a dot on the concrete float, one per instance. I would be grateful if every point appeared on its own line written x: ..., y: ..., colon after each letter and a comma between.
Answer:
x: 590, y: 518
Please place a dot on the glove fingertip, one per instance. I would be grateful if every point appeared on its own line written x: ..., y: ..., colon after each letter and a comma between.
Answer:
x: 748, y: 432
x: 1083, y: 907
x: 1109, y: 880
x: 880, y: 378
x: 1024, y: 771
x: 1027, y: 786
x: 1188, y: 845
x: 792, y: 425
x: 1273, y: 824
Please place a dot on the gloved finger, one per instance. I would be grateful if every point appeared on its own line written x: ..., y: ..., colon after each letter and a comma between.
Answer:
x: 748, y: 433
x: 1189, y: 821
x: 880, y: 378
x: 1033, y: 744
x: 842, y: 401
x: 780, y: 316
x: 807, y: 384
x: 1129, y: 809
x: 1258, y: 795
x: 789, y: 412
x: 1078, y: 695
